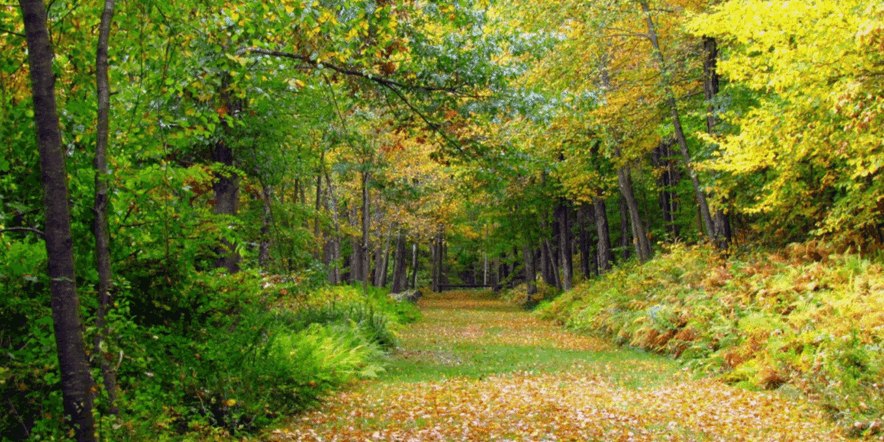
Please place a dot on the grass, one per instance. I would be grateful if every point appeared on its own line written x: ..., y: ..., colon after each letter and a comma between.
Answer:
x: 474, y: 335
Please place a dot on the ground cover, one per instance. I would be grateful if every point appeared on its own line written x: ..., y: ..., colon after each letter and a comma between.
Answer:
x: 477, y: 369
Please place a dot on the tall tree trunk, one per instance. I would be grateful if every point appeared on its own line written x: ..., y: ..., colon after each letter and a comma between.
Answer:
x: 382, y: 262
x: 625, y: 230
x: 549, y: 266
x: 669, y: 177
x: 226, y: 190
x: 485, y: 268
x: 335, y: 276
x: 102, y: 238
x: 399, y: 264
x: 414, y: 263
x: 356, y: 252
x: 605, y: 255
x: 722, y: 228
x: 556, y: 281
x: 437, y: 260
x: 266, y: 222
x: 640, y: 236
x: 530, y: 273
x: 76, y: 380
x: 317, y: 232
x: 226, y: 186
x: 495, y: 272
x: 366, y: 224
x: 565, y: 245
x: 676, y: 122
x: 545, y: 272
x: 588, y: 260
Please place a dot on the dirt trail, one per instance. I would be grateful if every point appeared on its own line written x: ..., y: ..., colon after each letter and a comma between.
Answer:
x: 477, y: 369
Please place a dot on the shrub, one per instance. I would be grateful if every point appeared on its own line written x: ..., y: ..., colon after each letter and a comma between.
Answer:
x: 804, y: 317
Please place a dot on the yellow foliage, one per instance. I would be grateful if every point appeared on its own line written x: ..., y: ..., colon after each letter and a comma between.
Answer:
x: 816, y: 69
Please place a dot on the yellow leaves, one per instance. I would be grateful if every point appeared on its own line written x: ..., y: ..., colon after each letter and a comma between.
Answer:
x: 327, y: 16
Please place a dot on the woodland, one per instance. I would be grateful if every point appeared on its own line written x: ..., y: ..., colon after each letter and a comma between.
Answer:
x: 215, y: 214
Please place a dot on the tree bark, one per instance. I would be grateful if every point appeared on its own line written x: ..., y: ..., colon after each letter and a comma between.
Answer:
x: 414, y: 263
x: 226, y: 192
x: 530, y: 273
x: 640, y: 236
x: 676, y: 123
x: 667, y: 180
x: 605, y: 255
x: 335, y: 276
x: 399, y: 264
x: 565, y: 245
x: 588, y: 260
x: 266, y: 219
x: 366, y: 224
x: 625, y: 230
x: 356, y: 252
x: 76, y: 380
x: 549, y: 266
x: 437, y: 260
x: 556, y: 281
x: 722, y: 228
x: 383, y: 260
x: 102, y: 238
x: 317, y: 232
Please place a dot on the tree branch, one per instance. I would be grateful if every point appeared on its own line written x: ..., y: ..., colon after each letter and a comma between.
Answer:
x: 24, y: 229
x: 349, y: 71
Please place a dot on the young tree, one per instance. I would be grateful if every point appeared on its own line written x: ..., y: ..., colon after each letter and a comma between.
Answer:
x: 76, y: 380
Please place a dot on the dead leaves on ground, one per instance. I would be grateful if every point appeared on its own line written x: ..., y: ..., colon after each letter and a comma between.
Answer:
x: 579, y: 404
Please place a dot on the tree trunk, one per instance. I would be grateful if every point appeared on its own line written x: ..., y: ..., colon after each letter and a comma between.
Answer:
x: 335, y: 276
x: 414, y: 263
x: 317, y: 233
x: 565, y: 245
x: 530, y: 273
x: 383, y: 261
x: 676, y: 123
x: 437, y: 260
x: 226, y: 191
x: 556, y: 281
x: 722, y: 228
x: 605, y: 255
x: 366, y: 224
x: 266, y: 219
x: 399, y: 264
x: 640, y: 236
x: 588, y: 260
x: 625, y: 231
x: 549, y: 266
x: 661, y: 157
x: 356, y: 252
x: 102, y: 238
x: 76, y: 380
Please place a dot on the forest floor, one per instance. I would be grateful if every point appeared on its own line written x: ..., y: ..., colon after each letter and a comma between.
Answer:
x: 475, y: 368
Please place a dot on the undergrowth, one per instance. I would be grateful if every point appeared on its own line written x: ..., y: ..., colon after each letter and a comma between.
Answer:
x: 803, y: 320
x: 203, y: 356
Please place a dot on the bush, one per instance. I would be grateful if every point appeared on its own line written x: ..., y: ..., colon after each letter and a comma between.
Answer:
x: 803, y: 317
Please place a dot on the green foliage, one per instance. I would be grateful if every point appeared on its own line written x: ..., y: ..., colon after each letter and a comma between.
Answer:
x: 804, y: 317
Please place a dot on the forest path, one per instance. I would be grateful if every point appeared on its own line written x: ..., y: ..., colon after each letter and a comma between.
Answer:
x: 478, y: 369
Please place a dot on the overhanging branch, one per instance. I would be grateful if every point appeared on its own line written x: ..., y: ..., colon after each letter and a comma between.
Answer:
x: 386, y: 82
x: 24, y: 229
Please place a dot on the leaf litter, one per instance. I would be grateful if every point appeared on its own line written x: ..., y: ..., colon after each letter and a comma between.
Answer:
x: 597, y: 398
